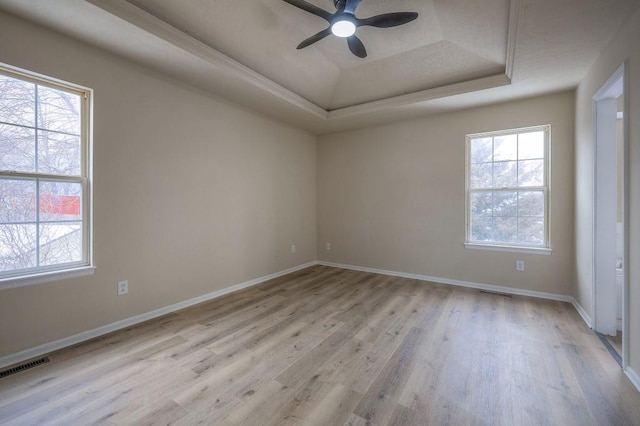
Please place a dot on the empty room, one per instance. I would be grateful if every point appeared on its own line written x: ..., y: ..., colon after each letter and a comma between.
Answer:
x: 320, y: 212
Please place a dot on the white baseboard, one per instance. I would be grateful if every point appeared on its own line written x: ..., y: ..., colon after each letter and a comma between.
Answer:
x: 633, y: 377
x: 583, y: 313
x: 128, y: 322
x: 469, y: 284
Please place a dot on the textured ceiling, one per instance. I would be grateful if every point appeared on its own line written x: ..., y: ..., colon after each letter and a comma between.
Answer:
x: 450, y: 42
x: 457, y: 54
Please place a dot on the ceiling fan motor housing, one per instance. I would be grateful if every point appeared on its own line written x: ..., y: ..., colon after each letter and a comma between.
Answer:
x: 340, y: 4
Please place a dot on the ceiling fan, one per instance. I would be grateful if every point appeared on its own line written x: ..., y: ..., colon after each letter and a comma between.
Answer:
x: 343, y: 23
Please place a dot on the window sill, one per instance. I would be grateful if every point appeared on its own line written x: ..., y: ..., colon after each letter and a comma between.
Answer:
x: 26, y: 280
x: 511, y: 249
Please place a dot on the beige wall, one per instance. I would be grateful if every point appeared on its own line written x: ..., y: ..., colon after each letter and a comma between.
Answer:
x: 191, y: 194
x: 624, y: 47
x: 393, y: 197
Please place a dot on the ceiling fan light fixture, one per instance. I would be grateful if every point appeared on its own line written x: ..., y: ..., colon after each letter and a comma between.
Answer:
x: 343, y: 28
x: 344, y: 23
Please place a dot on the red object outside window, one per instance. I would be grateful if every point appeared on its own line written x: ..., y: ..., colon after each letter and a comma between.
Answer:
x: 60, y: 204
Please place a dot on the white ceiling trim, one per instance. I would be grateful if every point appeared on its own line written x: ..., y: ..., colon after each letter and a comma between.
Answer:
x: 515, y: 17
x: 141, y: 19
x: 422, y: 96
x: 161, y: 29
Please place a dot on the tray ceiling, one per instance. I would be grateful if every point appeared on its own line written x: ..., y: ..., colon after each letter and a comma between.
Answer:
x: 457, y: 54
x: 451, y: 42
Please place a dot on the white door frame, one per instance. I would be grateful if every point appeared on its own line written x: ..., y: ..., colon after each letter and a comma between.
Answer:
x: 605, y: 207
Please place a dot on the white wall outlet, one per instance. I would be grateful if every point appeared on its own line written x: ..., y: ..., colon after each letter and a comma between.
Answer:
x: 123, y: 287
x: 520, y: 265
x: 327, y: 246
x: 293, y: 248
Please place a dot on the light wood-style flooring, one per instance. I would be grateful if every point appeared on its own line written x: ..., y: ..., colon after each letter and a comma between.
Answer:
x: 327, y: 346
x: 616, y: 342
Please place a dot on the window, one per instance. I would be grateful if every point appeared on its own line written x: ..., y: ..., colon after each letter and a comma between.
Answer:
x: 44, y: 176
x: 508, y: 189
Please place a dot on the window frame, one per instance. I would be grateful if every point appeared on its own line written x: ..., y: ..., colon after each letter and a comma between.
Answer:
x: 545, y: 188
x: 41, y: 274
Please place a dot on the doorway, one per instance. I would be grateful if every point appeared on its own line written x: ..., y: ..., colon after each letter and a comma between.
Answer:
x: 610, y: 287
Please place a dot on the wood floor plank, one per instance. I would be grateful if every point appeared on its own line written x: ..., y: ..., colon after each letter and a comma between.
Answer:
x: 76, y: 359
x: 319, y: 404
x: 355, y: 420
x: 593, y: 380
x: 167, y: 413
x: 436, y: 411
x: 302, y: 369
x: 50, y: 396
x: 326, y: 346
x: 378, y: 403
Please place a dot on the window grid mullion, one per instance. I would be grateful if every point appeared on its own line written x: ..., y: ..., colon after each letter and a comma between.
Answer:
x: 518, y: 160
x: 518, y: 192
x: 36, y: 130
x: 44, y: 176
x: 37, y: 222
x: 22, y: 126
x: 509, y: 189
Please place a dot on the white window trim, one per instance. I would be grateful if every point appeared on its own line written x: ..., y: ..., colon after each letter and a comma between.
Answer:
x: 75, y: 269
x: 544, y: 250
x: 45, y: 277
x: 512, y: 249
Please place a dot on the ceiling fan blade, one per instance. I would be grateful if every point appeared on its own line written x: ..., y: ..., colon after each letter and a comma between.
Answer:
x: 388, y: 20
x: 311, y: 9
x: 356, y: 47
x: 314, y: 38
x: 351, y: 6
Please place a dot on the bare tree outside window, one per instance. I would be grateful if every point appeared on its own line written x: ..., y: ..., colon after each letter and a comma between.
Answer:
x: 42, y: 175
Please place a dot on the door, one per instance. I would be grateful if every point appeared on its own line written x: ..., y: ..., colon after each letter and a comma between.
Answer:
x: 606, y: 215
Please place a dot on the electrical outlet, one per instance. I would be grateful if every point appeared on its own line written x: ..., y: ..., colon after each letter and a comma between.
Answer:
x: 327, y: 246
x: 293, y: 248
x: 123, y: 287
x: 520, y: 265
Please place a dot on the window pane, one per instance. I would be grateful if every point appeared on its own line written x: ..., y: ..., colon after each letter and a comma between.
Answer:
x: 505, y: 148
x: 505, y: 174
x: 531, y: 203
x: 514, y: 197
x: 17, y: 148
x: 42, y: 186
x: 531, y: 231
x: 60, y: 201
x: 481, y: 203
x: 58, y: 110
x: 17, y: 101
x: 531, y: 173
x: 505, y: 203
x: 481, y: 175
x: 59, y: 154
x: 481, y: 150
x: 531, y: 145
x: 482, y: 229
x: 17, y: 247
x: 506, y: 229
x: 17, y: 201
x: 60, y: 243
